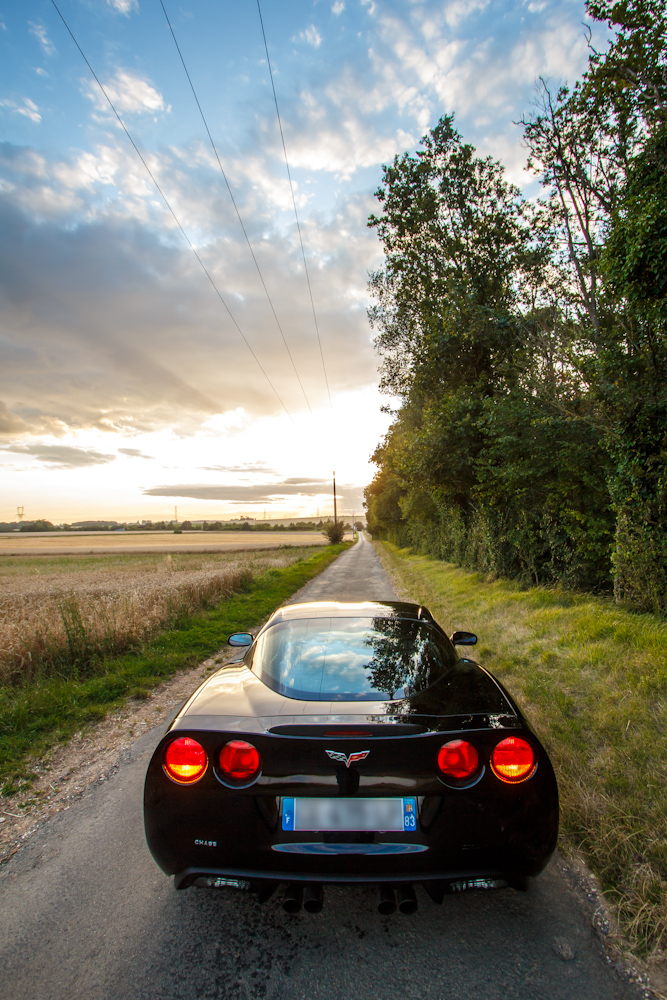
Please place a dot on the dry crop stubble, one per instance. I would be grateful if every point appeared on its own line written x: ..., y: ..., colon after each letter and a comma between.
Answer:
x: 59, y: 615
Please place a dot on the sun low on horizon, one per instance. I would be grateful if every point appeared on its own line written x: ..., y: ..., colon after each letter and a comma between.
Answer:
x: 184, y: 243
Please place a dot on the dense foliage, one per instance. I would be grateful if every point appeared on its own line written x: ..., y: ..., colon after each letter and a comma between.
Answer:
x: 527, y: 340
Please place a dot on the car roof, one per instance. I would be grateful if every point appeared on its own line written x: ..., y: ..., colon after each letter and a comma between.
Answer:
x: 352, y: 609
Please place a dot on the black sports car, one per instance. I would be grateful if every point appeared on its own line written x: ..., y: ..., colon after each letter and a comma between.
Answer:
x: 350, y: 743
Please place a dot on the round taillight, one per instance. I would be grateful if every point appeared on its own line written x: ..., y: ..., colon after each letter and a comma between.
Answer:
x: 239, y: 761
x: 458, y: 759
x: 185, y: 760
x: 513, y: 759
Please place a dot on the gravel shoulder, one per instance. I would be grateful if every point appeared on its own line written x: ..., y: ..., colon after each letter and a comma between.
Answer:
x: 66, y: 773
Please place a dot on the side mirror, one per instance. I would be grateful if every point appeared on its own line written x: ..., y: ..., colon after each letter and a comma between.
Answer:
x: 464, y: 639
x: 240, y: 639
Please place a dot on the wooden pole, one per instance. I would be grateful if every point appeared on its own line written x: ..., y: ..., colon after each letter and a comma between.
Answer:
x: 334, y: 491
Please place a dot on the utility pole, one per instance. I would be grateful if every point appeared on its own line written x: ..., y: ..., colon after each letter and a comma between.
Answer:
x: 334, y: 491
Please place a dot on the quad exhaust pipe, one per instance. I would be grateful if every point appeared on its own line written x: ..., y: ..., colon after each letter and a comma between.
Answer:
x: 311, y: 898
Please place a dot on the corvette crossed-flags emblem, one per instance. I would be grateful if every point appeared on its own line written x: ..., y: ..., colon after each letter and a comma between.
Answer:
x: 348, y: 759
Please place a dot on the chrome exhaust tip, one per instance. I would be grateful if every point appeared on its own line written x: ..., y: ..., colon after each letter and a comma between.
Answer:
x: 292, y: 899
x: 407, y: 900
x: 313, y: 898
x: 387, y: 903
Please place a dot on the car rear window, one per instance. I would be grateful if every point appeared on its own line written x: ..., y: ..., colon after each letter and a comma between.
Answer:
x: 367, y: 659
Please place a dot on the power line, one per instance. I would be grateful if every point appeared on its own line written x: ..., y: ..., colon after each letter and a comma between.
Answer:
x: 296, y: 214
x: 176, y: 220
x: 238, y: 214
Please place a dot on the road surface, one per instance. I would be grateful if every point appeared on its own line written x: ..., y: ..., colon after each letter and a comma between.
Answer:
x: 85, y: 914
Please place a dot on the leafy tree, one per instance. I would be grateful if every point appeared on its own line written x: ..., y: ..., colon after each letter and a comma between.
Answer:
x: 334, y: 531
x: 39, y: 525
x: 527, y: 342
x: 471, y: 339
x: 630, y: 373
x: 632, y: 73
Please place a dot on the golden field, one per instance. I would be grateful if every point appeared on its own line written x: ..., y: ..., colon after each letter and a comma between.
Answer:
x: 65, y: 543
x: 60, y: 612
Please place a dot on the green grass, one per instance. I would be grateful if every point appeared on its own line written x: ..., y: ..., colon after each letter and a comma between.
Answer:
x: 36, y: 716
x: 592, y: 678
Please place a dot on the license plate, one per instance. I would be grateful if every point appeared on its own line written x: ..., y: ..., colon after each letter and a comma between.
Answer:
x: 334, y: 815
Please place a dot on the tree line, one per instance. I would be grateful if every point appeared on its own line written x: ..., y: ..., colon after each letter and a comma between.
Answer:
x: 526, y: 338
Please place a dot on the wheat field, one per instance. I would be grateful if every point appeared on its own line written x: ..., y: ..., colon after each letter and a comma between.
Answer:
x: 61, y: 614
x: 78, y: 542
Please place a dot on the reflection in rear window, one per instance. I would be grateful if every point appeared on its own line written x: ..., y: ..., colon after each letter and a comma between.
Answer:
x: 351, y: 659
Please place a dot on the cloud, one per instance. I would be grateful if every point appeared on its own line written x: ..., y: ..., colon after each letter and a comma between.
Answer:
x: 255, y: 494
x: 338, y: 7
x: 301, y: 481
x: 128, y: 92
x: 125, y: 7
x: 133, y: 453
x: 39, y: 31
x: 312, y: 36
x: 468, y: 55
x: 109, y: 322
x: 9, y: 422
x: 259, y: 467
x: 26, y: 107
x: 60, y: 456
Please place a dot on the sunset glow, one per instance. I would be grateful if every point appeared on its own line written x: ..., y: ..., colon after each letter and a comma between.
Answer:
x: 126, y: 389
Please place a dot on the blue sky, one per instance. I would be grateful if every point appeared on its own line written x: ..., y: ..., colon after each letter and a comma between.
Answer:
x: 125, y: 388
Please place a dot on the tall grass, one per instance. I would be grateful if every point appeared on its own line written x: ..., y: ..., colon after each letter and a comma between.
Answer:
x: 61, y: 617
x: 592, y: 678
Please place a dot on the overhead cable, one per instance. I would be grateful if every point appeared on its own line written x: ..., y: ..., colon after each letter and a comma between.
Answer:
x: 176, y: 220
x: 296, y: 214
x: 238, y: 214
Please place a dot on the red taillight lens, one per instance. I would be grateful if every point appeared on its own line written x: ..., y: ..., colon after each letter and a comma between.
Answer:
x: 458, y: 759
x: 513, y: 759
x: 239, y: 761
x: 185, y: 760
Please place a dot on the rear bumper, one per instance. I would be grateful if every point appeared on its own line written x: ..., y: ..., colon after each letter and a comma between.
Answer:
x: 458, y: 843
x: 255, y: 880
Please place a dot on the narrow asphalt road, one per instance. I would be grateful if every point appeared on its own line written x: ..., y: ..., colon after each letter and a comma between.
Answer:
x: 85, y: 914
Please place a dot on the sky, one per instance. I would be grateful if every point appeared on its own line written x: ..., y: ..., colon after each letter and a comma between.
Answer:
x: 148, y: 361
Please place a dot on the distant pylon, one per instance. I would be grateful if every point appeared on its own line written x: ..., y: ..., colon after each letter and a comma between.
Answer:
x: 19, y: 513
x: 176, y: 514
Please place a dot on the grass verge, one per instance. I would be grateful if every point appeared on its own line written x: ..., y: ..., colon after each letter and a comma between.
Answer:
x: 36, y: 716
x: 592, y: 678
